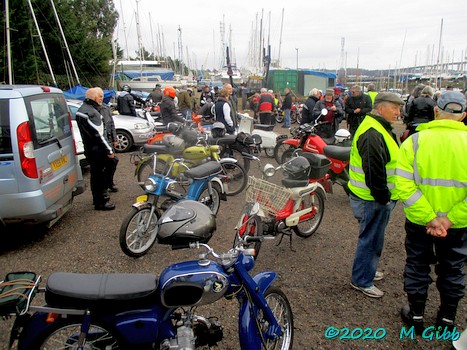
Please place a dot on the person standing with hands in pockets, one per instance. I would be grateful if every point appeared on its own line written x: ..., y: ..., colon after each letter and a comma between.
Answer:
x: 431, y: 179
x: 373, y: 159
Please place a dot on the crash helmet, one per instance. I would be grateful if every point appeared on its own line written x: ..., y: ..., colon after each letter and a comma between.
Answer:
x: 218, y: 129
x: 126, y: 88
x: 297, y: 168
x: 186, y: 221
x: 342, y: 135
x: 170, y: 91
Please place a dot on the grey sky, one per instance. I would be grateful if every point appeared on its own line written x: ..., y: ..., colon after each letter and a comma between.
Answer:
x: 378, y: 34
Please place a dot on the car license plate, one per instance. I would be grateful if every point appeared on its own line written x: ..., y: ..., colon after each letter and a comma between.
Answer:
x: 58, y: 163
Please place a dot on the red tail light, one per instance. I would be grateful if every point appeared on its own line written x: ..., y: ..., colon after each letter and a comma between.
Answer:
x: 26, y: 151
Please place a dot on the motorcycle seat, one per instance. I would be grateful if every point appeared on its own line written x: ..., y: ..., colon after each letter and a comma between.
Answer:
x: 204, y: 170
x: 329, y: 140
x: 291, y: 183
x: 107, y: 290
x: 224, y: 140
x: 161, y: 149
x: 265, y: 127
x: 337, y: 152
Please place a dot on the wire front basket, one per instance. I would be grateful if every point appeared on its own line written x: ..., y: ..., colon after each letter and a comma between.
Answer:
x: 271, y: 197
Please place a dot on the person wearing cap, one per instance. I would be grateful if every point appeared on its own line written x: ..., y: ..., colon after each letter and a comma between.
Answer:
x: 185, y: 103
x: 156, y: 94
x: 431, y: 182
x: 309, y: 105
x: 373, y: 159
x: 357, y: 106
x: 332, y: 119
x: 371, y: 91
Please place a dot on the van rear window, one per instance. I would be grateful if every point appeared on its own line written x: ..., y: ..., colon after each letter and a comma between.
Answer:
x: 5, y: 133
x: 48, y: 114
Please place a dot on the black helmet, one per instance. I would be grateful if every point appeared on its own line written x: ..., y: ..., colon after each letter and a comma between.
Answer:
x: 186, y: 221
x: 218, y: 129
x: 297, y: 168
x: 126, y: 88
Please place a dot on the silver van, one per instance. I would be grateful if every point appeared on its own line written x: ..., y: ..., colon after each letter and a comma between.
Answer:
x: 39, y: 174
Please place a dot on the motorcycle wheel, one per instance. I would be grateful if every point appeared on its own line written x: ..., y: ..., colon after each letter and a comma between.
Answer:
x: 235, y: 177
x: 299, y: 117
x: 233, y: 153
x: 269, y: 152
x: 134, y: 240
x: 279, y: 117
x: 253, y: 228
x: 293, y: 117
x: 306, y: 228
x: 279, y: 149
x: 288, y: 155
x: 145, y: 170
x: 280, y: 307
x: 64, y: 334
x: 213, y: 202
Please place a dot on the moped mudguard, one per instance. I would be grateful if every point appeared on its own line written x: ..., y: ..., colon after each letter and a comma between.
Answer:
x: 32, y: 328
x: 219, y: 182
x: 247, y: 327
x: 292, y: 142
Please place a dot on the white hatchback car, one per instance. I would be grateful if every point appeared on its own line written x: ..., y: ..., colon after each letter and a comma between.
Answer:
x: 131, y: 131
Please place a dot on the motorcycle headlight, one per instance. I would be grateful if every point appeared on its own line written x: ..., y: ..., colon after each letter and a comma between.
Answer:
x: 150, y: 185
x: 269, y: 170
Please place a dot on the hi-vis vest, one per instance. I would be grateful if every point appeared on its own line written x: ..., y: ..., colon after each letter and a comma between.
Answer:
x: 431, y: 173
x: 357, y: 182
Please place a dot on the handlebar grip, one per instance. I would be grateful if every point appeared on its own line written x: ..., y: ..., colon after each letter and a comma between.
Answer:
x: 254, y: 239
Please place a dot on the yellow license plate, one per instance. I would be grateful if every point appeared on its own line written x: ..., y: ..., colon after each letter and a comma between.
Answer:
x: 57, y: 164
x: 142, y: 199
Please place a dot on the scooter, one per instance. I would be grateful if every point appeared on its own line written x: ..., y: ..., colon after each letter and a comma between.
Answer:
x: 269, y: 138
x: 297, y: 205
x: 145, y: 311
x: 203, y: 183
x: 309, y: 141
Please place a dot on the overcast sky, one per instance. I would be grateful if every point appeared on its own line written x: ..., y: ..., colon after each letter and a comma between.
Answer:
x: 378, y: 34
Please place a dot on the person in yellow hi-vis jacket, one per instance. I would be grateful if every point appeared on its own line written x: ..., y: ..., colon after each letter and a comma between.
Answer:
x: 431, y: 180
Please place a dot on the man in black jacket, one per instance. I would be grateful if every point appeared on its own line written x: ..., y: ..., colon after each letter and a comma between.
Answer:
x: 307, y: 111
x: 96, y: 146
x: 126, y: 102
x: 358, y: 105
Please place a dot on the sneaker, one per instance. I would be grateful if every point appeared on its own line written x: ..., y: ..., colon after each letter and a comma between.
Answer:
x: 378, y: 276
x: 372, y: 291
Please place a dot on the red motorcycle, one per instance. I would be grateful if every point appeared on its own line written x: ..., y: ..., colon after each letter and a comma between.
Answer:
x: 336, y: 149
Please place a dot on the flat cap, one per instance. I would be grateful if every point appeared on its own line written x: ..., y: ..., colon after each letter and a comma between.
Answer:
x: 330, y: 92
x: 388, y: 97
x: 454, y: 99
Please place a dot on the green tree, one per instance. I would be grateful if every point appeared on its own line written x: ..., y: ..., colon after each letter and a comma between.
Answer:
x: 88, y: 26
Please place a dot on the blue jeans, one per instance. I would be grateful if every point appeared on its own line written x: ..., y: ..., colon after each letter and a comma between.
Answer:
x: 373, y: 219
x: 287, y: 118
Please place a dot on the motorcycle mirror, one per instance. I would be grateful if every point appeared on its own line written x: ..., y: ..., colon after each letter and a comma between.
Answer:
x: 324, y: 111
x: 269, y: 170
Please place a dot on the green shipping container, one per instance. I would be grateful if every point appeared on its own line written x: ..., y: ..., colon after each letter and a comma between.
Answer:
x: 278, y: 80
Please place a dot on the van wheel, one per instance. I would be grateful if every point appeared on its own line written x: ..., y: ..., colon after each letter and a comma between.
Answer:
x: 124, y: 141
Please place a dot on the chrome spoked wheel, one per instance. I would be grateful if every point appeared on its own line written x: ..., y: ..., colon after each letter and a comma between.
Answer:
x: 305, y: 228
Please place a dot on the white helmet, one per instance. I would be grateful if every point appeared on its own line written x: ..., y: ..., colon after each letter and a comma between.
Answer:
x: 342, y: 135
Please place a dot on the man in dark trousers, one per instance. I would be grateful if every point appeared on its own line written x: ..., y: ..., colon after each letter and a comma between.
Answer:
x: 432, y: 183
x: 357, y: 106
x: 96, y: 146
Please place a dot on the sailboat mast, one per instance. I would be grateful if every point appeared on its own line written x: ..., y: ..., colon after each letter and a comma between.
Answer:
x: 64, y: 40
x: 8, y: 42
x: 439, y: 51
x: 42, y: 43
x: 280, y: 40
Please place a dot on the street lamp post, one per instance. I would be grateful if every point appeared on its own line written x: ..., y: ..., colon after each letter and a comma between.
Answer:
x: 297, y: 56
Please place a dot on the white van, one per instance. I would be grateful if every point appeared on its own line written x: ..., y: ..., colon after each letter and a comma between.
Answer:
x: 39, y: 174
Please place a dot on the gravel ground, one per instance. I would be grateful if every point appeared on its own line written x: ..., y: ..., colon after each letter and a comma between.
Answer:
x: 315, y: 276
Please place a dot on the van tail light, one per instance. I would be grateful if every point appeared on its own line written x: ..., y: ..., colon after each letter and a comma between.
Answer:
x: 71, y: 127
x: 26, y: 151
